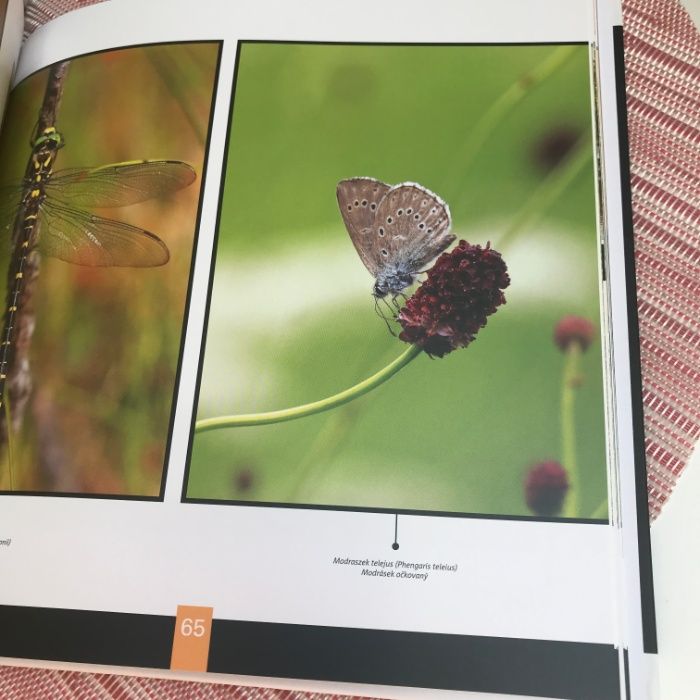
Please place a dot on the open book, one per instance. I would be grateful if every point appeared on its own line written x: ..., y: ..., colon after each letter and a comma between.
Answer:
x: 320, y: 364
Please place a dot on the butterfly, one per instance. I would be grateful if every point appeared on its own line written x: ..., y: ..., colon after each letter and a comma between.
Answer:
x: 397, y: 230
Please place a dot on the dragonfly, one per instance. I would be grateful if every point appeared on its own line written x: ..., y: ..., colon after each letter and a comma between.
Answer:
x: 61, y: 203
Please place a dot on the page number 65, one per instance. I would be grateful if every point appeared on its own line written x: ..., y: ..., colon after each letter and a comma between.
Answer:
x: 191, y: 640
x: 190, y: 627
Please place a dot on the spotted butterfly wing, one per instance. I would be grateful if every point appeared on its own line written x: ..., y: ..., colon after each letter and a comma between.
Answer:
x: 411, y: 228
x: 358, y: 199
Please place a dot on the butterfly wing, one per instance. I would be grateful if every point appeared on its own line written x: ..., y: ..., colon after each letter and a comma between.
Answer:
x: 412, y: 228
x: 358, y: 199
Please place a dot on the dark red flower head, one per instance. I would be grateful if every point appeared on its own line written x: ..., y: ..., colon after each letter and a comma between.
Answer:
x: 573, y: 329
x: 463, y: 288
x: 546, y: 485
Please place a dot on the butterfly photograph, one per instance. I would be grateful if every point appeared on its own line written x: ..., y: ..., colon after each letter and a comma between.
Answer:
x: 397, y: 230
x: 402, y: 230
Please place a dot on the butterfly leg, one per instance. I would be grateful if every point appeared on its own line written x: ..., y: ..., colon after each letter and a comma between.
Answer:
x: 395, y: 298
x: 381, y: 315
x: 395, y: 301
x: 391, y: 308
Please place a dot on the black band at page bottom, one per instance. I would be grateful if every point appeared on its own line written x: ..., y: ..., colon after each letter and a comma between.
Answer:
x: 576, y: 670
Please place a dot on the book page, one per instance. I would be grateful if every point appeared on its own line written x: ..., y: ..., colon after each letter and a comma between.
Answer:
x: 319, y: 364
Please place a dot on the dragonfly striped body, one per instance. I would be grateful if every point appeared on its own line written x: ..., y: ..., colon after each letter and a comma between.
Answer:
x: 55, y: 215
x: 42, y: 160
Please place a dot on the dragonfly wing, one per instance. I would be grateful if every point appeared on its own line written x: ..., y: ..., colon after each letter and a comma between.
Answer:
x: 118, y: 184
x: 85, y: 239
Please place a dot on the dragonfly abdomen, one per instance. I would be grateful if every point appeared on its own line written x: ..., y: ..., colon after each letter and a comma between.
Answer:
x: 42, y: 161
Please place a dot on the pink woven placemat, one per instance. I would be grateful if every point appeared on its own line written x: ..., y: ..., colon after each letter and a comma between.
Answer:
x: 663, y: 96
x: 41, y: 684
x: 662, y: 60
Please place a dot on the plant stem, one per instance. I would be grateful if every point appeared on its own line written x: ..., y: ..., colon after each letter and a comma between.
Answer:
x: 570, y: 380
x: 503, y: 105
x: 309, y: 409
x: 549, y: 190
x: 171, y: 75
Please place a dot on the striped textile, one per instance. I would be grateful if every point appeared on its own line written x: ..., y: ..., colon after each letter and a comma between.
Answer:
x: 41, y: 684
x: 662, y: 62
x: 39, y: 12
x: 663, y: 83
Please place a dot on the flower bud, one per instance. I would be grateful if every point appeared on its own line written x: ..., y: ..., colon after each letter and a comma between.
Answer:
x: 546, y: 486
x: 462, y: 289
x: 573, y: 329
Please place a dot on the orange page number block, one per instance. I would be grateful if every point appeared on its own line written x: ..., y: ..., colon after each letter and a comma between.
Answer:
x: 191, y: 640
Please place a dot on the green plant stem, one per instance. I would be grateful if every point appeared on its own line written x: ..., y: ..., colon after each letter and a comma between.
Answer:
x: 549, y: 190
x: 309, y: 409
x: 570, y: 380
x: 171, y: 75
x: 502, y: 106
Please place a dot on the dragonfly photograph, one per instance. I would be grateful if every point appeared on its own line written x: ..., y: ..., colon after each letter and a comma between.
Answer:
x: 98, y: 209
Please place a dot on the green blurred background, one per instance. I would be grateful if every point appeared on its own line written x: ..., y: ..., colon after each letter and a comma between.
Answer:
x: 292, y: 319
x: 107, y: 340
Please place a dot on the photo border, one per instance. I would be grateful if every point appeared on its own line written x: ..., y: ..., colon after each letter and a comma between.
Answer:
x: 188, y: 296
x: 184, y: 498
